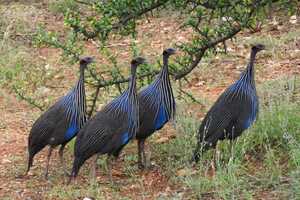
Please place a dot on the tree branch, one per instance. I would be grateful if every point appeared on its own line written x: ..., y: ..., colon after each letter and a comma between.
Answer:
x: 120, y: 81
x: 202, y: 50
x: 27, y: 99
x: 84, y: 2
x: 109, y: 83
x: 94, y: 103
x: 126, y: 19
x: 122, y: 22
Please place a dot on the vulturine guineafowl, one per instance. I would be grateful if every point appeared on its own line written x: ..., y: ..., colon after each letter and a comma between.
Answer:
x: 234, y: 111
x: 111, y: 128
x: 157, y: 106
x: 61, y: 122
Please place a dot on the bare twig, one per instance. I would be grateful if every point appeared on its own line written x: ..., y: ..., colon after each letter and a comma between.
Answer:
x: 122, y: 80
x: 190, y: 96
x: 94, y: 103
x: 84, y: 2
x: 28, y: 99
x: 202, y: 50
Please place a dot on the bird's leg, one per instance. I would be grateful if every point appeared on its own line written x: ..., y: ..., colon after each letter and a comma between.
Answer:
x: 216, y: 158
x: 61, y: 156
x: 232, y: 142
x: 141, y: 152
x: 225, y: 47
x: 230, y: 149
x: 109, y: 167
x: 30, y: 160
x: 232, y: 146
x: 94, y: 168
x: 213, y: 164
x: 147, y: 163
x: 48, y: 161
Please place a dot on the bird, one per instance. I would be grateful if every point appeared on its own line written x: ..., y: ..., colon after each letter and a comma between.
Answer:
x: 235, y: 110
x: 61, y: 122
x: 111, y: 128
x: 156, y: 107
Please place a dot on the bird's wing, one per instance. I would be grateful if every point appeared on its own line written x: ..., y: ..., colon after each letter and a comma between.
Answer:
x: 90, y: 139
x: 44, y: 126
x: 216, y: 120
x: 150, y: 102
x: 97, y: 135
x: 74, y: 108
x: 107, y: 125
x: 124, y: 109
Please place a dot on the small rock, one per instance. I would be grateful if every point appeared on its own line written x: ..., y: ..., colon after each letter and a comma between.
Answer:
x: 5, y: 161
x: 43, y: 90
x: 47, y: 66
x: 293, y: 19
x: 88, y: 198
x: 162, y: 140
x: 182, y: 172
x: 200, y: 83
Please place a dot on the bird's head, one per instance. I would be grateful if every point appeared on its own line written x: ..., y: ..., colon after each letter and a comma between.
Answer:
x: 138, y: 61
x: 169, y: 52
x: 258, y: 47
x: 86, y: 60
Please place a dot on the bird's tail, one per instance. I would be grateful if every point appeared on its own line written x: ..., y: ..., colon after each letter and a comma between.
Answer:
x: 196, y: 155
x: 202, y: 147
x: 78, y: 162
x: 30, y: 162
x: 32, y: 150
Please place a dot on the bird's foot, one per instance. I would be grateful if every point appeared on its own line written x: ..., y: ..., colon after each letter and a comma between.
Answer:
x: 146, y: 166
x: 21, y: 176
x: 46, y: 177
x: 150, y: 167
x: 141, y: 166
x: 70, y: 179
x: 213, y: 167
x: 67, y: 175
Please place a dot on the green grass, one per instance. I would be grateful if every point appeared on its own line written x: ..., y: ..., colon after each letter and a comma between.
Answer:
x: 61, y: 6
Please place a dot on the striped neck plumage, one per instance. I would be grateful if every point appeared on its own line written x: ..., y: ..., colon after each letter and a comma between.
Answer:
x: 249, y: 72
x: 164, y: 73
x: 82, y: 68
x: 166, y: 63
x: 132, y: 79
x: 80, y: 84
x: 80, y: 87
x: 166, y: 89
x: 133, y: 114
x: 75, y: 104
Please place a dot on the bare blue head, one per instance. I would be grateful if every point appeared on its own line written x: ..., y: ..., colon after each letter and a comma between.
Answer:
x: 254, y: 50
x: 85, y: 61
x: 257, y: 47
x: 168, y: 52
x: 136, y: 62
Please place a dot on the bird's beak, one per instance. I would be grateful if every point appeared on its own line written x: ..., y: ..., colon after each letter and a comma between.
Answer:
x: 174, y: 51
